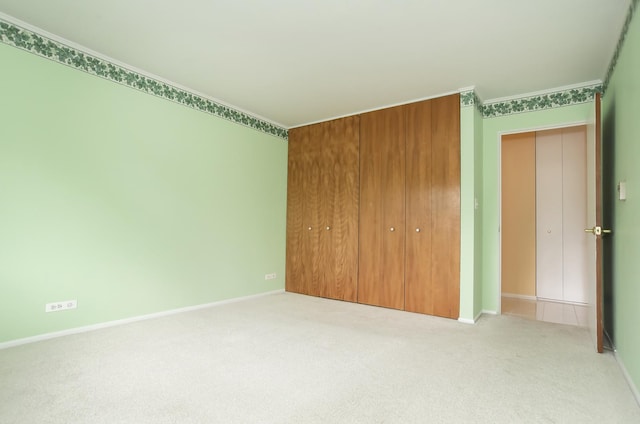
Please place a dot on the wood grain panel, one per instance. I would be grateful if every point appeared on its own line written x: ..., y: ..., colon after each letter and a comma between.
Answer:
x: 518, y: 226
x: 295, y: 215
x: 598, y: 331
x: 321, y: 136
x: 418, y: 282
x: 313, y: 214
x: 445, y: 203
x: 341, y: 178
x: 382, y: 208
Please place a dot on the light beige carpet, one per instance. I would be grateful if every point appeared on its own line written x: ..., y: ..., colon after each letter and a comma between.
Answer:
x: 288, y: 358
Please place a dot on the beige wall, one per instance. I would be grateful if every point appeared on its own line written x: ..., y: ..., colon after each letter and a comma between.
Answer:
x: 518, y: 228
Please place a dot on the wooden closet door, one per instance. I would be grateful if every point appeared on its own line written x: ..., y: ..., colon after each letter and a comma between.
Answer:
x: 313, y: 213
x: 382, y: 213
x: 445, y: 205
x: 302, y: 258
x: 418, y: 278
x: 294, y: 280
x: 339, y: 209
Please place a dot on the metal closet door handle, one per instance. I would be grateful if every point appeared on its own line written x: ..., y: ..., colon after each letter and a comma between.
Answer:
x: 328, y: 228
x: 417, y: 230
x: 392, y: 229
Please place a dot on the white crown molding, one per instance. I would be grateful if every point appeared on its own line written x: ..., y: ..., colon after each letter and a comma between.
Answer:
x: 448, y: 93
x: 543, y: 92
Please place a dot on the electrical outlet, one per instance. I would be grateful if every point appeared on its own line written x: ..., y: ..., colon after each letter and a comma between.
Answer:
x: 61, y: 306
x: 271, y: 276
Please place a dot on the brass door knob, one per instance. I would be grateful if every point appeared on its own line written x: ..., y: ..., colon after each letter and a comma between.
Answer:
x: 597, y: 231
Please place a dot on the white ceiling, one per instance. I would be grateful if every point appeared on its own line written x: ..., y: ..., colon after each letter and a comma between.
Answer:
x: 299, y: 61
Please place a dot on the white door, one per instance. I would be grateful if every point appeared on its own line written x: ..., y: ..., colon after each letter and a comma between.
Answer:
x: 561, y: 215
x: 549, y: 215
x: 574, y: 215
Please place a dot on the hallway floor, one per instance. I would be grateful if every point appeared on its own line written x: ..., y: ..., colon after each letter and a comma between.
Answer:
x: 545, y: 310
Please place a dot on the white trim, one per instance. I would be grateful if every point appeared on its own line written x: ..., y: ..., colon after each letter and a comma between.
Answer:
x: 540, y: 128
x: 407, y: 102
x: 24, y: 25
x: 471, y: 321
x: 488, y: 312
x: 625, y: 373
x: 543, y: 299
x: 500, y: 135
x: 499, y: 191
x: 467, y: 89
x: 564, y: 302
x: 84, y: 329
x: 543, y: 92
x: 519, y: 296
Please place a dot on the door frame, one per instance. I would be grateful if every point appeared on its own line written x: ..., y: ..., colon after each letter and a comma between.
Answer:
x: 500, y: 134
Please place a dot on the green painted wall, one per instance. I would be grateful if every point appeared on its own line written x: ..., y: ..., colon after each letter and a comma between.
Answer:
x: 126, y: 202
x: 478, y: 167
x: 467, y: 158
x: 471, y: 218
x: 621, y: 145
x: 493, y: 128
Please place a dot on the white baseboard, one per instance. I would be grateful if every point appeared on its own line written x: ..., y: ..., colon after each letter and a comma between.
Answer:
x: 627, y: 377
x: 519, y: 296
x: 564, y: 302
x: 488, y: 312
x: 470, y: 321
x: 84, y: 329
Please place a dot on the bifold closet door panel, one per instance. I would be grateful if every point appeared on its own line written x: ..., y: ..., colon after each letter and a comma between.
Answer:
x: 339, y: 208
x: 294, y: 212
x: 297, y: 234
x: 549, y: 254
x: 574, y: 210
x: 518, y: 214
x: 445, y: 204
x: 382, y: 208
x: 418, y: 282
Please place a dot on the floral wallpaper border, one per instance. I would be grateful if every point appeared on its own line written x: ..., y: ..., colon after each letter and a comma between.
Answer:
x: 16, y: 36
x: 470, y: 98
x: 539, y: 102
x: 467, y: 98
x: 616, y: 54
x: 21, y: 38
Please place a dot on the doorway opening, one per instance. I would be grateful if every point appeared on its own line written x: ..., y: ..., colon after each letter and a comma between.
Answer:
x: 545, y: 253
